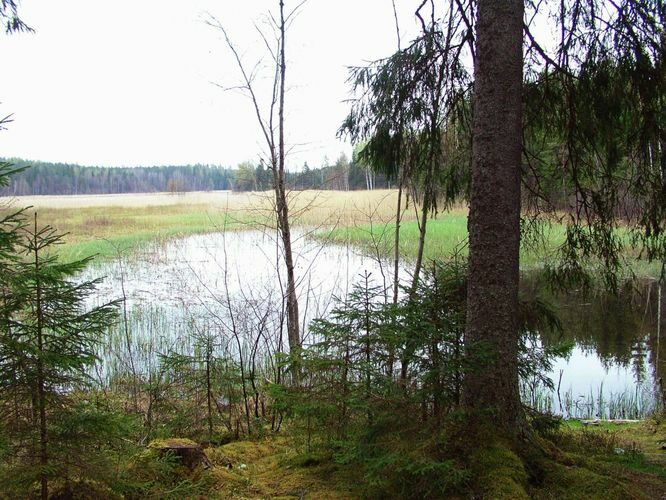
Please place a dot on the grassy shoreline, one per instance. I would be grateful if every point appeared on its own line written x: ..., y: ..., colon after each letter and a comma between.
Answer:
x: 106, y: 231
x: 103, y: 225
x: 447, y: 234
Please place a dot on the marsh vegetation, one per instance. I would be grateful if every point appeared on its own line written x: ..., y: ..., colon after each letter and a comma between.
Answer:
x: 403, y: 344
x: 198, y: 348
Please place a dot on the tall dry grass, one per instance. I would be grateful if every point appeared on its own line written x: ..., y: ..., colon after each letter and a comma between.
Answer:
x: 307, y: 207
x: 99, y: 224
x: 330, y: 208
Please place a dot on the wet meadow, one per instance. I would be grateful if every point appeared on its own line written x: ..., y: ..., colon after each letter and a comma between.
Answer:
x: 198, y: 347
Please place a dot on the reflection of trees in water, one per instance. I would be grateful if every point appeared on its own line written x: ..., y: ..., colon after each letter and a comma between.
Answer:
x: 621, y: 329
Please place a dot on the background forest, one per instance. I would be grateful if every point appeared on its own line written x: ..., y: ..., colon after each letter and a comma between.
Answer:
x: 43, y: 178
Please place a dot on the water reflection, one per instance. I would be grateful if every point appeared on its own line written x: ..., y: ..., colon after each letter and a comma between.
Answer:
x: 201, y: 283
x: 206, y: 269
x: 616, y: 354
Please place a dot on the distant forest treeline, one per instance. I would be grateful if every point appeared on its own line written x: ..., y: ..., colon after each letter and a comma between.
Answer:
x: 60, y: 178
x: 44, y: 178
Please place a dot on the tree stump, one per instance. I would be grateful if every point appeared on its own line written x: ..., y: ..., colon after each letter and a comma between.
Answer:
x: 190, y: 453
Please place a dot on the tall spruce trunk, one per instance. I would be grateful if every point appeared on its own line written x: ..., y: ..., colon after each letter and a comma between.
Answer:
x: 492, y: 335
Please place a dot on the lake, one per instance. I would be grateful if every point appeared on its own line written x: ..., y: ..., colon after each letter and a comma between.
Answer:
x: 225, y: 283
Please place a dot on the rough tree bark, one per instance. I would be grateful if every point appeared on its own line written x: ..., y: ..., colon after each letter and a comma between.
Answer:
x: 491, y: 337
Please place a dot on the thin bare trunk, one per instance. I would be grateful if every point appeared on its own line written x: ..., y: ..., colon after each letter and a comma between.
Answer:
x: 293, y: 332
x: 396, y: 263
x: 209, y: 390
x: 396, y: 243
x: 277, y: 152
x: 41, y: 389
x: 422, y: 237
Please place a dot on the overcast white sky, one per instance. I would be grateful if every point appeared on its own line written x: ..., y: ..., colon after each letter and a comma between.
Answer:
x: 128, y: 82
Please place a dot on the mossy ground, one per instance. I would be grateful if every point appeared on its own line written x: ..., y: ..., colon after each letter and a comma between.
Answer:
x: 499, y: 473
x: 170, y: 443
x: 271, y: 468
x: 606, y: 462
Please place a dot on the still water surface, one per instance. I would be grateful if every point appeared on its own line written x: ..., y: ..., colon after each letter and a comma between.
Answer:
x: 613, y: 361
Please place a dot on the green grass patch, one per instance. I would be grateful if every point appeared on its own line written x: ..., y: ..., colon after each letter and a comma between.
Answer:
x: 448, y: 234
x: 444, y: 235
x: 105, y: 231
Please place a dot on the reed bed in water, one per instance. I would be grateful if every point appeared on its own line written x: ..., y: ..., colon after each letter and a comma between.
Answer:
x: 638, y: 403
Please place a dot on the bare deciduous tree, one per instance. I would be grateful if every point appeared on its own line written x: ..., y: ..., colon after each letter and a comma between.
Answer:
x: 272, y: 123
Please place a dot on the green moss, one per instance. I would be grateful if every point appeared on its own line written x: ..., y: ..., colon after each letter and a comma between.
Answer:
x: 228, y: 481
x: 573, y: 482
x: 572, y: 468
x: 247, y: 451
x: 79, y: 489
x: 605, y: 461
x: 499, y: 473
x: 153, y: 474
x: 159, y: 444
x: 269, y: 468
x: 308, y: 459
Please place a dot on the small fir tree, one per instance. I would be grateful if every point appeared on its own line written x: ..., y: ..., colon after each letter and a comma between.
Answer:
x: 48, y: 345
